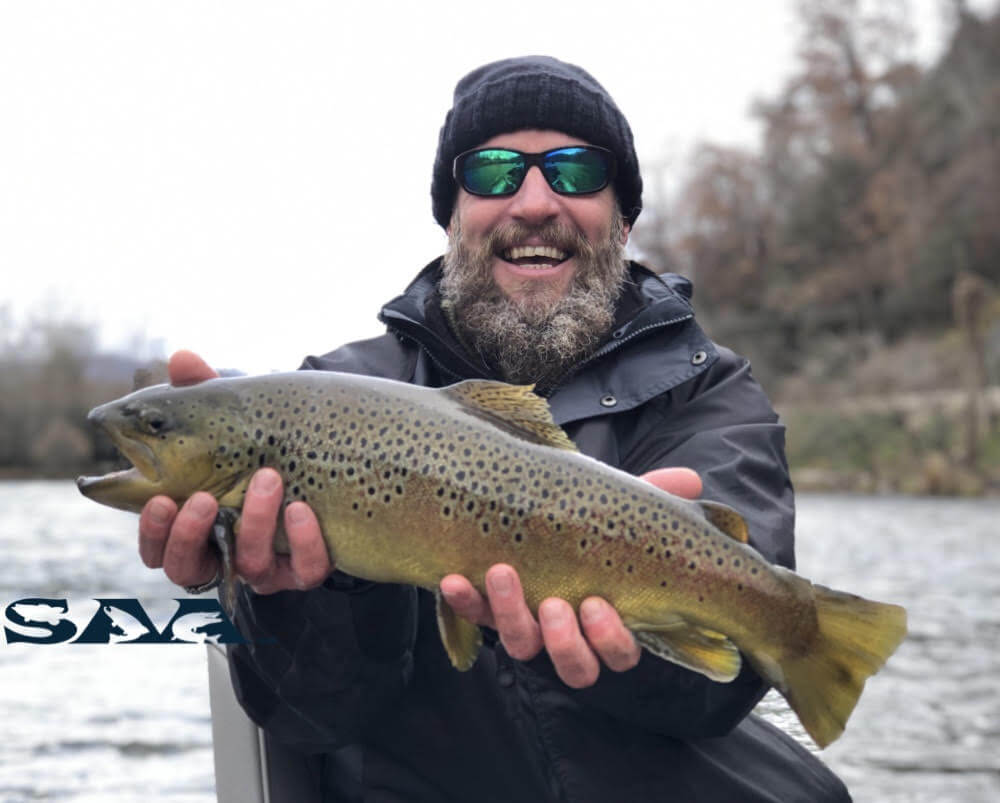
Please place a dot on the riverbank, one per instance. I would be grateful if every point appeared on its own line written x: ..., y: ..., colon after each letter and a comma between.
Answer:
x: 929, y: 443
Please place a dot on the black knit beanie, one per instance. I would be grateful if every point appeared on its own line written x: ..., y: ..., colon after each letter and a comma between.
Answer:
x: 534, y: 92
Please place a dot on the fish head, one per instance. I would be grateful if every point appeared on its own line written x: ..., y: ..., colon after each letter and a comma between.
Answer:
x: 179, y: 440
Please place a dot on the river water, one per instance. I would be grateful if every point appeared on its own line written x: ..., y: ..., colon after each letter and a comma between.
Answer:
x: 121, y: 723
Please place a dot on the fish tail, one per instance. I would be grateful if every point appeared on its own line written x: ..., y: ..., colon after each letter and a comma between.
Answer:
x: 855, y: 638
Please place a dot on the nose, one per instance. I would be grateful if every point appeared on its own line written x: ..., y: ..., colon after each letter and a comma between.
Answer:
x: 535, y: 201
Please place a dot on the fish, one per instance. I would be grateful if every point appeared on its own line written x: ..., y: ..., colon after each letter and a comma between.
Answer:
x: 411, y: 484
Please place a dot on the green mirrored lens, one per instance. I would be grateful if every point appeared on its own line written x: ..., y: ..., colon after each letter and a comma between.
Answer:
x: 493, y: 172
x: 576, y: 170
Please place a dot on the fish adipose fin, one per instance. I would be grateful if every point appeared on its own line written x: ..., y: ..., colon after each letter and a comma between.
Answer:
x: 725, y: 519
x: 695, y: 648
x: 514, y: 408
x: 855, y: 638
x: 460, y: 637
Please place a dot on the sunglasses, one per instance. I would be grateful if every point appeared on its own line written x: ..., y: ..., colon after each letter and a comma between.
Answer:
x: 573, y: 170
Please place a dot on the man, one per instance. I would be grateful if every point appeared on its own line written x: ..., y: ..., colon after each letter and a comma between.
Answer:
x: 537, y: 182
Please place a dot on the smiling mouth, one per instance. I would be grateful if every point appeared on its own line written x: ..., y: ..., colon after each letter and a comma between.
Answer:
x: 534, y: 256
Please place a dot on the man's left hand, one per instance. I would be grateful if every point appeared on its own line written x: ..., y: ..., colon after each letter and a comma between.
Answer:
x: 577, y: 646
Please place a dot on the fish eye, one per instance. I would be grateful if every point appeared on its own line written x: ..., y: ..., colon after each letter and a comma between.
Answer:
x: 154, y: 420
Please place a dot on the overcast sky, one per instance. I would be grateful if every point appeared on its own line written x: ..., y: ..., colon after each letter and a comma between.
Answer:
x: 252, y: 179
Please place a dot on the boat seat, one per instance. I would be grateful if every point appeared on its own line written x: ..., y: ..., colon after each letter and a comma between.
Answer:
x: 250, y: 767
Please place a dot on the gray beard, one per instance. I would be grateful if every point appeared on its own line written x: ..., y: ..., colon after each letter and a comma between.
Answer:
x: 539, y: 338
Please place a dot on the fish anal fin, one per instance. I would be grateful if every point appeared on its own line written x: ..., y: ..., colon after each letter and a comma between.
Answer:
x: 460, y: 637
x: 696, y: 648
x: 514, y: 408
x: 725, y: 519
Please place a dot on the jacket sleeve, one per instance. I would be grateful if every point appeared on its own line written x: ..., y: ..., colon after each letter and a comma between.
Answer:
x: 317, y: 664
x: 721, y: 425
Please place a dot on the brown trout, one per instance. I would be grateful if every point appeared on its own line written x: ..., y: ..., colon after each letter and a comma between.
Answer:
x: 411, y: 484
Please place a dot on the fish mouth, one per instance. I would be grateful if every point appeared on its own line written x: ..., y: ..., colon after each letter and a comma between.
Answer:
x: 130, y: 488
x: 142, y: 457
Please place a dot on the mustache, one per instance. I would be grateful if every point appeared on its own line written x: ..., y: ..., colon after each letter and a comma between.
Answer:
x: 560, y: 235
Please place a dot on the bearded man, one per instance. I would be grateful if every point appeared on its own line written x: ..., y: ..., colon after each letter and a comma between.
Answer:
x: 537, y: 183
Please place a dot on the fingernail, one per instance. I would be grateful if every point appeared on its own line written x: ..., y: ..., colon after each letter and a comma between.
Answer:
x: 265, y: 481
x: 159, y: 513
x: 591, y: 610
x: 202, y: 505
x: 552, y: 613
x: 296, y: 514
x: 501, y: 583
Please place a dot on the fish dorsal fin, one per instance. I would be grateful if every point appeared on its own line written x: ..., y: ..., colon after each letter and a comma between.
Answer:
x: 725, y: 519
x: 696, y: 648
x: 514, y: 408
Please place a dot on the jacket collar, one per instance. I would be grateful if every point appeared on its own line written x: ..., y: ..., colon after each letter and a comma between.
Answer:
x: 648, y: 302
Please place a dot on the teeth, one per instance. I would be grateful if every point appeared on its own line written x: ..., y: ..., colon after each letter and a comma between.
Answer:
x: 523, y: 251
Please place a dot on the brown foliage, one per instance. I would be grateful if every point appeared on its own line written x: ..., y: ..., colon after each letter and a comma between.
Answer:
x: 875, y: 186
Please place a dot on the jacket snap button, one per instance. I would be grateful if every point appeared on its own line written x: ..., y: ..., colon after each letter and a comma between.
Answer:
x: 608, y: 401
x: 698, y: 357
x: 505, y: 678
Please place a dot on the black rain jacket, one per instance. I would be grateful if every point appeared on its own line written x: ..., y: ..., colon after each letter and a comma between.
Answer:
x: 354, y: 673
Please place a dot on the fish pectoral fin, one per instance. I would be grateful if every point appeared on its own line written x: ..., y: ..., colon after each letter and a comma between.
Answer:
x: 223, y: 539
x: 725, y: 519
x: 514, y: 408
x: 461, y: 638
x: 696, y: 648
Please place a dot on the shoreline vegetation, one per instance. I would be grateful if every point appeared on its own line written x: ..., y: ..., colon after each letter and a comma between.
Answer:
x: 930, y: 442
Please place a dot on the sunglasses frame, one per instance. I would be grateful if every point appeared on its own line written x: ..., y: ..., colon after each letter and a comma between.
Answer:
x: 534, y: 160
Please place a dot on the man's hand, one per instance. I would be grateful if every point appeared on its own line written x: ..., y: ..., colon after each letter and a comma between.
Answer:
x: 178, y: 540
x: 577, y: 647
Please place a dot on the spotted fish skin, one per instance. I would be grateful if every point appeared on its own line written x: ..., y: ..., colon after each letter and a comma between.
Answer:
x: 410, y: 484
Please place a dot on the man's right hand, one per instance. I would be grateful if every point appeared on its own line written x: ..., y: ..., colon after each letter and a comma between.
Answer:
x: 178, y: 540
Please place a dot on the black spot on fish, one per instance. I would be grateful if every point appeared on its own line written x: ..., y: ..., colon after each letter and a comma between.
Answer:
x: 692, y: 565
